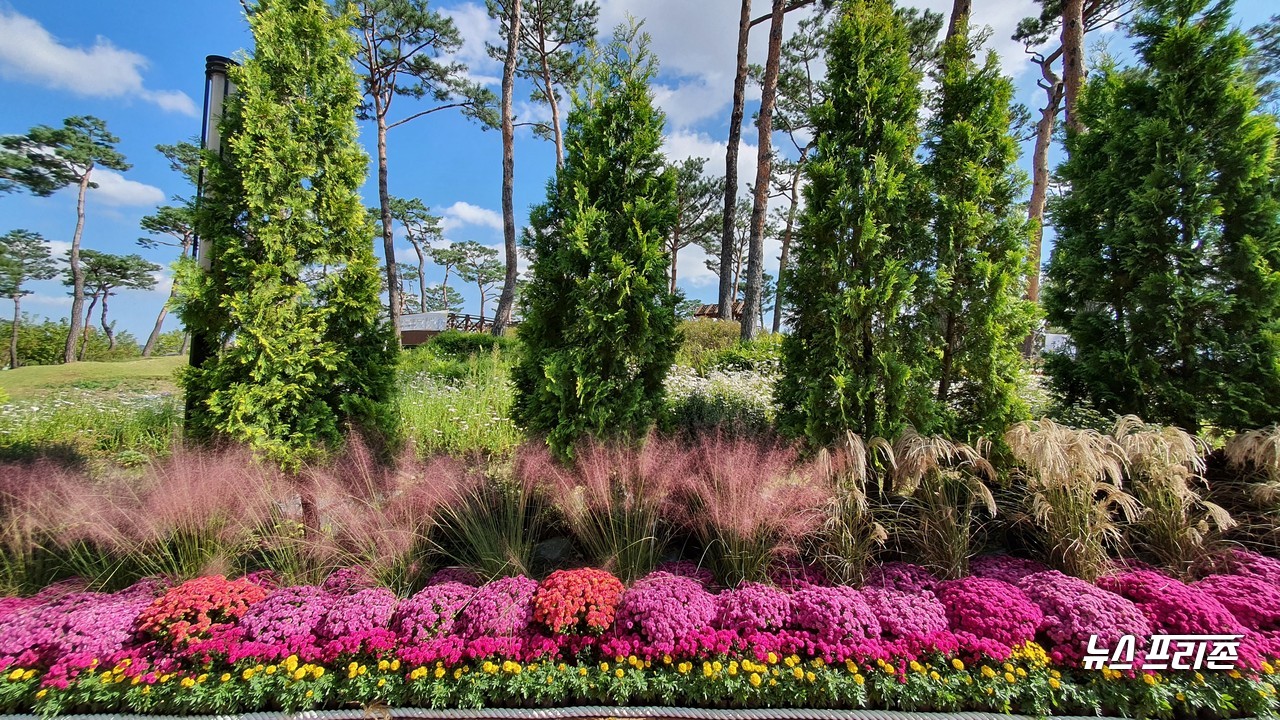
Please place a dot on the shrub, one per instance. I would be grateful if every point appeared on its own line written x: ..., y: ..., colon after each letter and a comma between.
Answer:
x: 431, y: 613
x: 459, y: 344
x: 1006, y: 568
x: 734, y: 401
x: 582, y: 601
x: 989, y: 616
x: 901, y: 576
x: 911, y: 621
x: 852, y: 531
x: 666, y: 612
x: 502, y: 608
x: 702, y: 339
x: 490, y: 527
x: 751, y: 608
x: 1073, y: 490
x: 1174, y: 607
x: 1253, y: 601
x: 288, y: 621
x: 196, y: 608
x: 837, y: 620
x: 1075, y: 611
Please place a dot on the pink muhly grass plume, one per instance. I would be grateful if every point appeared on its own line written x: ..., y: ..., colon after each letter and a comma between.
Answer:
x: 375, y: 512
x: 615, y: 497
x: 751, y: 503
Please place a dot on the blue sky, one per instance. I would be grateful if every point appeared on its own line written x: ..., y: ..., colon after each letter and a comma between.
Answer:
x: 140, y: 67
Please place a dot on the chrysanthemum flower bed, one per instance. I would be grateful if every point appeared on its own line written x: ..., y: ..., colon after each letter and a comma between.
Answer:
x: 1010, y: 640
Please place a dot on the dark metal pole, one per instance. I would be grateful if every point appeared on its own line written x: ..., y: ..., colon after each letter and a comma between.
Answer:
x: 217, y: 87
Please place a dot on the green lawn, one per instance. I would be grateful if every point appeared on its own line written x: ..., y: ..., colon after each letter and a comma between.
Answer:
x: 154, y: 375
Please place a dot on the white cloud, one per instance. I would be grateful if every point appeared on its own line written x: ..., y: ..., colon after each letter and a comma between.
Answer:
x: 683, y: 144
x: 477, y: 28
x: 30, y: 54
x: 59, y: 301
x: 114, y: 189
x: 464, y: 213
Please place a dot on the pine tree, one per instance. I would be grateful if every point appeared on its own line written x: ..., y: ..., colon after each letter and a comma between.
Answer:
x: 845, y: 363
x: 24, y: 255
x: 294, y: 359
x: 1166, y: 270
x: 973, y: 313
x: 599, y: 322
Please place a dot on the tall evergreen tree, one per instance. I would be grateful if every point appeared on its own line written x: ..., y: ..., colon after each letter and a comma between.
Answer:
x: 294, y: 360
x: 973, y: 315
x: 856, y: 255
x: 1166, y: 270
x: 599, y: 324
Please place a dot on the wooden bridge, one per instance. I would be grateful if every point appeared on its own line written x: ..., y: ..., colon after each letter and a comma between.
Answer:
x: 417, y: 328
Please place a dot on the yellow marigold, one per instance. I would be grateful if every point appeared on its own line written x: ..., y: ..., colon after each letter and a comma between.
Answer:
x: 317, y: 672
x: 146, y: 690
x: 561, y: 667
x: 773, y: 683
x: 957, y: 663
x: 226, y: 677
x: 1180, y: 697
x: 439, y: 673
x: 1020, y: 673
x: 990, y: 691
x: 706, y: 670
x: 489, y: 667
x: 300, y: 673
x: 1149, y: 679
x: 717, y: 666
x: 202, y: 677
x: 987, y: 672
x: 857, y: 678
x: 1267, y: 668
x: 247, y: 674
x: 851, y: 666
x: 187, y: 682
x: 310, y: 694
x: 383, y: 665
x: 754, y: 679
x: 270, y: 670
x: 934, y: 676
x: 619, y: 659
x: 810, y: 677
x: 28, y: 674
x: 1055, y: 683
x: 1234, y: 674
x: 798, y: 673
x: 916, y: 667
x: 619, y: 673
x: 457, y: 674
x: 633, y: 660
x: 1007, y: 667
x: 362, y: 670
x: 291, y: 663
x: 582, y: 671
x: 1009, y: 678
x: 40, y: 695
x: 395, y: 666
x: 733, y: 669
x: 666, y: 659
x: 550, y: 679
x: 772, y: 658
x: 16, y: 675
x: 163, y: 678
x: 604, y: 667
x: 382, y: 681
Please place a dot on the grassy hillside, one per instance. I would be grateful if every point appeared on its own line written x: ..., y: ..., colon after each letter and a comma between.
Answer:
x: 153, y: 375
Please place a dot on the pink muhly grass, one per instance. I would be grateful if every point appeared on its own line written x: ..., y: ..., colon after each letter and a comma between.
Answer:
x: 615, y: 497
x: 377, y: 513
x: 198, y: 508
x: 751, y: 504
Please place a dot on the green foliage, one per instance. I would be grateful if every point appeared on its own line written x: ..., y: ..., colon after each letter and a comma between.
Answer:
x: 702, y: 338
x: 599, y: 324
x: 294, y: 359
x: 974, y: 315
x: 847, y: 363
x: 1166, y: 269
x: 48, y: 159
x: 41, y: 341
x: 458, y: 344
x: 24, y: 255
x: 1264, y: 61
x: 458, y: 402
x: 480, y: 266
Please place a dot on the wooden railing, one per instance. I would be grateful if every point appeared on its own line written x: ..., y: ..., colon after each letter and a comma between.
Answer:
x: 471, y: 323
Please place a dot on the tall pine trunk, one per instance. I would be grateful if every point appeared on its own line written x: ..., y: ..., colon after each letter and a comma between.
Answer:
x: 960, y: 10
x: 77, y: 272
x: 785, y: 257
x: 422, y: 278
x: 84, y: 328
x: 155, y: 331
x: 551, y: 95
x: 764, y: 169
x: 508, y: 298
x: 107, y: 330
x: 13, y: 332
x: 1073, y: 58
x: 1040, y: 190
x: 394, y: 292
x: 728, y: 293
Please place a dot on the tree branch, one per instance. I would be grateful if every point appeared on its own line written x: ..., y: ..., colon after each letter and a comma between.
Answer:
x: 795, y: 5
